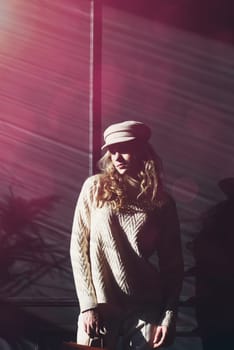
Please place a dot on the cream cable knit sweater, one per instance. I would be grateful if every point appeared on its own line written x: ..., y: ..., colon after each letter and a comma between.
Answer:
x: 113, y: 255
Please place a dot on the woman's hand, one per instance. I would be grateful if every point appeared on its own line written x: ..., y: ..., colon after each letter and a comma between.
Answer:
x: 91, y: 322
x: 159, y: 335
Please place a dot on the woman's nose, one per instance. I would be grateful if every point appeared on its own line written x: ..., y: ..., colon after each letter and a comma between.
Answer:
x: 117, y: 155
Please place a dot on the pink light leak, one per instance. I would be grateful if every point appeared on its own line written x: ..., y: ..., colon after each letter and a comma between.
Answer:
x: 44, y: 92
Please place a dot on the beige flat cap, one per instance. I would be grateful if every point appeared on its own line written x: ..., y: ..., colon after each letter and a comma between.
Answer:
x: 126, y: 131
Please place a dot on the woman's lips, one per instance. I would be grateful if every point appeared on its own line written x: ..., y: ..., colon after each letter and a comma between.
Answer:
x: 120, y: 165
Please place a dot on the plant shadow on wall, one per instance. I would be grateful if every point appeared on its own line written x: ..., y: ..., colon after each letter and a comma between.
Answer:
x: 26, y: 253
x: 213, y: 250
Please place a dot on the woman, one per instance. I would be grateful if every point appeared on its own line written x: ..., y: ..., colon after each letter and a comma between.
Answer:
x: 125, y: 246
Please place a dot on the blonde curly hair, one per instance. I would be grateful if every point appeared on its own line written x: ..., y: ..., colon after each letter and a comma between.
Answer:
x: 114, y: 188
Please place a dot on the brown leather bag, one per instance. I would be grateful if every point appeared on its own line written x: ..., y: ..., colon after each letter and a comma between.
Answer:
x: 95, y: 344
x: 71, y: 345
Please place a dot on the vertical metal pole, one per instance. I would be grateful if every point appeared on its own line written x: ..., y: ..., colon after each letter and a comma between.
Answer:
x: 95, y: 90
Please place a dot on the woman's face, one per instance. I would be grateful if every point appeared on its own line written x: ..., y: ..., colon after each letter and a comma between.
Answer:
x: 123, y: 157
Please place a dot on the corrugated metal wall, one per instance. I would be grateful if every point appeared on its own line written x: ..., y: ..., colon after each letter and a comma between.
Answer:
x: 168, y: 65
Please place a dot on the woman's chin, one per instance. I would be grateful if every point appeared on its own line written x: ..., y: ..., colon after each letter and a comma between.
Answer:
x: 122, y: 171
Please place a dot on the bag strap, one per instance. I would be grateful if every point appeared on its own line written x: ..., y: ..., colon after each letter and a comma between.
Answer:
x: 97, y: 342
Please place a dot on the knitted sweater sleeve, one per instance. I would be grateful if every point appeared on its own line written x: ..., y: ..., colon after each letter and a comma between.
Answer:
x: 170, y: 261
x: 79, y: 248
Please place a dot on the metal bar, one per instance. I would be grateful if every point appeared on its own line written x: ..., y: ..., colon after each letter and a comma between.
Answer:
x: 95, y: 84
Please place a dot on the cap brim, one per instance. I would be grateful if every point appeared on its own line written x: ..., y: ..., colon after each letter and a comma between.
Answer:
x: 118, y: 140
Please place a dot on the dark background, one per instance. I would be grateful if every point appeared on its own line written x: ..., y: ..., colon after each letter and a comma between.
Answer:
x: 167, y: 63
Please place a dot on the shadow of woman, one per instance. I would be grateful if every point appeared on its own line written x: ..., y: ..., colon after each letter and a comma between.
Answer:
x: 214, y: 272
